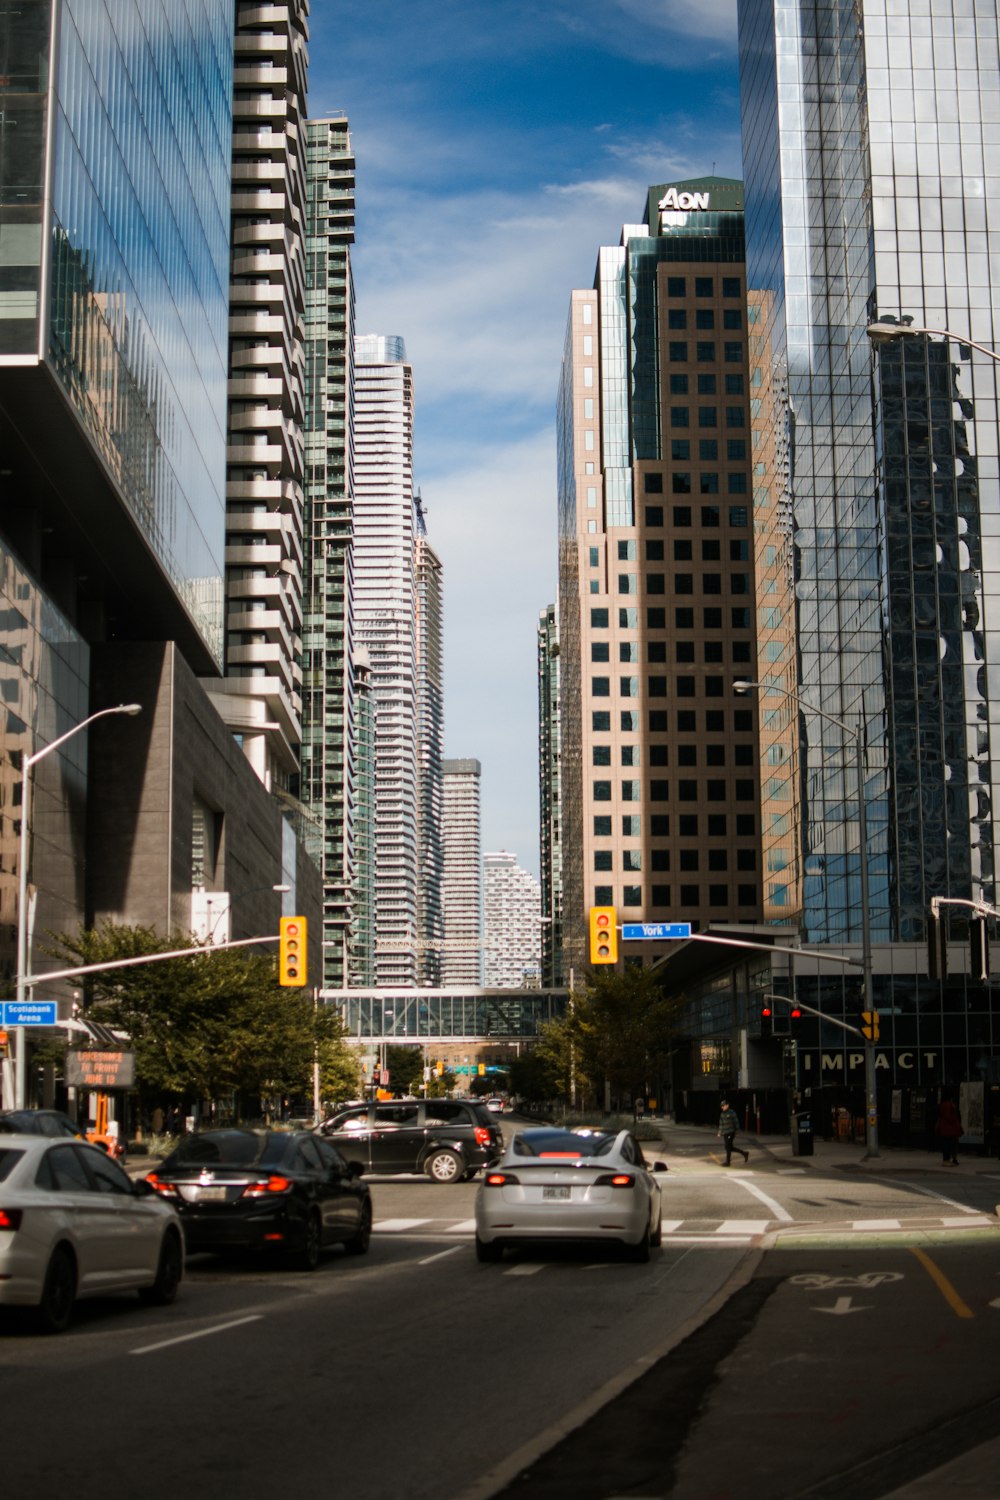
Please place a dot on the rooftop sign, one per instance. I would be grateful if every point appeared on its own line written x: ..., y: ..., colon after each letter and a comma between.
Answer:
x: 673, y: 201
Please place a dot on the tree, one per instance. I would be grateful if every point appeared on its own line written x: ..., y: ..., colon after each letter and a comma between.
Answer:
x: 204, y: 1026
x: 621, y: 1029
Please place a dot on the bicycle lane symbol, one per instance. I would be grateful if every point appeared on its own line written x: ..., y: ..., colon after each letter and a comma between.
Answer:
x: 866, y: 1281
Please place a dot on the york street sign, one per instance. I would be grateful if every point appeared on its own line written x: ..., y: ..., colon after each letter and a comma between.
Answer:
x: 29, y: 1013
x: 655, y: 930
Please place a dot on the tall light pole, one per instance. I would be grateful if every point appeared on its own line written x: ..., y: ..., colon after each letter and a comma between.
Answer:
x: 857, y: 734
x: 27, y: 763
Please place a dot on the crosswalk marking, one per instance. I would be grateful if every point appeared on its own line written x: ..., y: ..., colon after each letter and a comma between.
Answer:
x: 397, y: 1226
x: 698, y: 1231
x: 524, y: 1268
x: 877, y: 1224
x: 743, y: 1226
x: 466, y: 1226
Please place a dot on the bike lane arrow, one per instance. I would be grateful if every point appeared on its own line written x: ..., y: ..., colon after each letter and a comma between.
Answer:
x: 842, y: 1305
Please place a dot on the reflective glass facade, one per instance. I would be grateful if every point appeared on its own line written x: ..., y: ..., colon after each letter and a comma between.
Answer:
x: 45, y: 680
x: 872, y: 162
x: 137, y: 245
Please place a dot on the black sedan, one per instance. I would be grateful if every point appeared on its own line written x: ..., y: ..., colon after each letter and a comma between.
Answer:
x: 265, y: 1190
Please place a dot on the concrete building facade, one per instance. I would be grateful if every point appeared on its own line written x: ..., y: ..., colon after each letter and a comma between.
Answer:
x: 462, y: 883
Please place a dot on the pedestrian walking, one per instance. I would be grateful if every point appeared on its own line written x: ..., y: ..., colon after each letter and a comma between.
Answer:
x: 729, y: 1124
x: 948, y: 1129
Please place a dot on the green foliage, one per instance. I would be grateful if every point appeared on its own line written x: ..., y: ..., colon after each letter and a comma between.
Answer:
x: 617, y: 1029
x: 207, y: 1025
x: 406, y: 1069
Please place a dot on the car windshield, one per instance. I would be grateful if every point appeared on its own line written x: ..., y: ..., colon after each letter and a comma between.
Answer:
x: 19, y: 1122
x: 8, y: 1159
x: 565, y: 1143
x: 229, y: 1148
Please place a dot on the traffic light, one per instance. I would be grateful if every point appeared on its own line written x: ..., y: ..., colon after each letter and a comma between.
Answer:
x: 603, y: 935
x: 937, y: 948
x: 766, y: 1020
x: 979, y: 950
x: 292, y: 950
x: 869, y: 1025
x: 794, y: 1015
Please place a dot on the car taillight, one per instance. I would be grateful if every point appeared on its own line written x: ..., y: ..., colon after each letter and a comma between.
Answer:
x: 274, y: 1184
x: 500, y: 1179
x: 615, y: 1179
x: 10, y: 1218
x: 483, y: 1136
x: 160, y: 1185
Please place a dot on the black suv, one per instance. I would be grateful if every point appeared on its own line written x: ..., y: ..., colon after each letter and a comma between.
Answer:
x: 449, y: 1139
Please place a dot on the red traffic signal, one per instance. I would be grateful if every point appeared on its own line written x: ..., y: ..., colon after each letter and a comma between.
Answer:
x: 795, y: 1014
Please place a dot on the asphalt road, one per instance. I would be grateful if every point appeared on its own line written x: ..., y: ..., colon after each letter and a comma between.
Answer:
x: 786, y: 1341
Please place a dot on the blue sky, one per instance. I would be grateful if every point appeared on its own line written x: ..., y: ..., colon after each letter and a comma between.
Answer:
x: 499, y: 144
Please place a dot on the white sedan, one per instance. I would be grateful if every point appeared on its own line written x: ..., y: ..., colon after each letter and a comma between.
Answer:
x: 73, y: 1224
x: 556, y: 1184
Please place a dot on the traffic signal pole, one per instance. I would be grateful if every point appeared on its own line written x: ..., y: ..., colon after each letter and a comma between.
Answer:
x: 871, y: 1125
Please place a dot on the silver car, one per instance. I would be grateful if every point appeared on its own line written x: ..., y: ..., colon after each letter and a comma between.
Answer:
x: 73, y: 1224
x: 559, y: 1184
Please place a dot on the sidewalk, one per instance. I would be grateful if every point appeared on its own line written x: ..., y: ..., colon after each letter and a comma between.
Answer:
x: 844, y: 1156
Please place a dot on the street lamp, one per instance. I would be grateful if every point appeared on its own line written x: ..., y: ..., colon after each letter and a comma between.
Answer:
x: 228, y: 907
x: 27, y: 762
x: 857, y: 734
x: 882, y: 333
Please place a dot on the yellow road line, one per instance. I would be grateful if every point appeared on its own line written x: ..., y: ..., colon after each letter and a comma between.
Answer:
x: 944, y: 1286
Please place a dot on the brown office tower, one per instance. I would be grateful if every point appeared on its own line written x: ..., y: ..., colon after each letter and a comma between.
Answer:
x: 660, y: 780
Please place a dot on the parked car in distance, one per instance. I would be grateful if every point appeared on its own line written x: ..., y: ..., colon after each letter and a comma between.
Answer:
x: 73, y: 1224
x: 56, y: 1125
x: 496, y: 1105
x: 448, y: 1139
x: 285, y: 1190
x: 557, y: 1184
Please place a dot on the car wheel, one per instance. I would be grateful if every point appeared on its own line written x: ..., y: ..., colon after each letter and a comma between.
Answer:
x: 489, y: 1250
x: 58, y: 1293
x: 358, y: 1243
x: 168, y: 1273
x: 308, y: 1256
x: 656, y: 1238
x: 444, y: 1166
x: 640, y: 1252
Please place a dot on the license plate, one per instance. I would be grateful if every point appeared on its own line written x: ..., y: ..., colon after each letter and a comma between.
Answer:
x: 204, y: 1194
x: 555, y: 1192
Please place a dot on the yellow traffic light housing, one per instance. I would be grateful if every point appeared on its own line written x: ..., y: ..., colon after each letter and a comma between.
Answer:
x: 292, y: 951
x: 869, y: 1025
x: 603, y: 935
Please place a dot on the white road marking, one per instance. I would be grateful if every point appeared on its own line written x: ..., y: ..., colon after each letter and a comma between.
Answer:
x: 777, y: 1210
x: 440, y: 1255
x: 791, y: 1171
x: 743, y: 1226
x: 974, y: 1223
x: 525, y: 1270
x: 465, y: 1227
x: 926, y: 1192
x: 203, y: 1333
x: 730, y: 1241
x: 396, y: 1226
x: 669, y: 1225
x: 876, y: 1224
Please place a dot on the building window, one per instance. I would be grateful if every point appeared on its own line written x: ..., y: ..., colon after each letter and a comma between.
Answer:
x: 599, y: 619
x: 682, y: 515
x: 653, y: 484
x: 659, y: 791
x: 632, y: 859
x: 679, y: 416
x: 711, y: 583
x: 631, y: 826
x: 677, y: 317
x: 744, y: 791
x: 718, y: 859
x: 732, y: 318
x: 687, y: 791
x: 632, y: 895
x: 739, y: 515
x: 731, y: 286
x: 628, y: 650
x: 600, y: 720
x: 604, y: 895
x: 602, y: 791
x: 705, y: 351
x: 628, y: 583
x: 678, y: 385
x: 684, y: 618
x: 690, y: 895
x: 680, y: 482
x: 656, y: 619
x: 657, y: 687
x: 600, y: 651
x: 683, y: 550
x: 746, y: 895
x: 704, y: 286
x: 628, y: 687
x: 736, y: 450
x: 631, y: 791
x: 684, y: 583
x: 737, y: 483
x: 717, y: 825
x: 733, y: 352
x: 735, y: 416
x: 688, y: 825
x: 630, y: 755
x: 659, y: 827
x: 661, y: 895
x: 600, y: 687
x: 603, y: 859
x: 655, y: 583
x: 685, y: 687
x: 746, y: 825
x: 654, y: 551
x: 715, y: 790
x: 676, y: 286
x: 654, y: 513
x: 601, y: 755
x: 657, y: 721
x: 680, y: 450
x: 628, y: 618
x: 708, y: 416
x: 708, y: 450
x: 677, y: 352
x: 630, y: 720
x: 718, y: 895
x: 602, y: 826
x: 706, y: 385
x: 704, y: 319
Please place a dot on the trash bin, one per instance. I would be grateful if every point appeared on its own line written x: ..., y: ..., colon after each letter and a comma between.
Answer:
x: 802, y: 1135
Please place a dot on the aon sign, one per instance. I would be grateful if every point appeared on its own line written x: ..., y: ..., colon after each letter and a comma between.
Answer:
x: 672, y: 199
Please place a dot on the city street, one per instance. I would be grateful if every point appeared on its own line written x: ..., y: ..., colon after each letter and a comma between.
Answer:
x: 800, y: 1324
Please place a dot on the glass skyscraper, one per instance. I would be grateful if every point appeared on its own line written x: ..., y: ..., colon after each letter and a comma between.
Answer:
x: 872, y: 165
x: 114, y: 254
